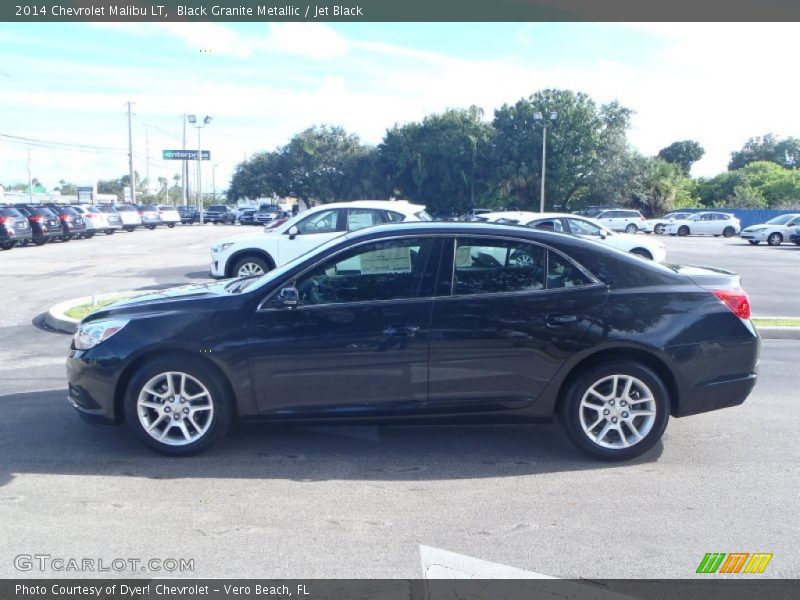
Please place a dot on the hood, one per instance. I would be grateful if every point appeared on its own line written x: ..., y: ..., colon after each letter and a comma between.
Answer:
x: 245, y: 238
x: 163, y: 300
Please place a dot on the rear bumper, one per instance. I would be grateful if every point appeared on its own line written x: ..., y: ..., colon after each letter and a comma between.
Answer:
x: 715, y: 394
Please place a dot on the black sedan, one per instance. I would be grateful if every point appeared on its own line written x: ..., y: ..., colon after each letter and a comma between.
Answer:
x: 14, y: 228
x: 421, y: 322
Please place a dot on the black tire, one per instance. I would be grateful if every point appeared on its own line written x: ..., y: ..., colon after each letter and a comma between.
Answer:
x: 222, y: 405
x: 631, y: 228
x: 753, y: 242
x: 775, y: 239
x: 151, y: 227
x: 170, y: 225
x: 89, y: 235
x: 40, y: 241
x: 66, y: 238
x: 253, y: 260
x: 642, y: 252
x: 7, y: 245
x: 110, y: 231
x: 570, y: 412
x: 659, y: 229
x: 130, y: 228
x: 683, y: 231
x: 728, y: 232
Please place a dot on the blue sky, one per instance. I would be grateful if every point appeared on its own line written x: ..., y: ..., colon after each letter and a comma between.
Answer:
x: 716, y: 83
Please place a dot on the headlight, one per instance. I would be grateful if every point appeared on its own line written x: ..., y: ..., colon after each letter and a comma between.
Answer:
x: 220, y: 247
x: 758, y: 229
x: 92, y: 333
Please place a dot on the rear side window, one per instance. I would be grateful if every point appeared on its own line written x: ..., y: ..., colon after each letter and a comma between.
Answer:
x: 562, y: 273
x: 393, y: 217
x: 493, y: 266
x: 359, y: 218
x: 10, y: 212
x: 325, y: 221
x: 547, y: 224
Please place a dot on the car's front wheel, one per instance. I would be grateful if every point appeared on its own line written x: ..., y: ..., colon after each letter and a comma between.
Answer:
x: 615, y: 410
x: 659, y: 229
x: 683, y: 231
x: 753, y: 242
x: 775, y: 239
x: 177, y: 407
x: 631, y: 228
x: 728, y: 232
x: 250, y: 265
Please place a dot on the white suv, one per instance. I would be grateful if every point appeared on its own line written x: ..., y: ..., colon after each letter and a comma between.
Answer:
x: 622, y: 219
x: 254, y: 254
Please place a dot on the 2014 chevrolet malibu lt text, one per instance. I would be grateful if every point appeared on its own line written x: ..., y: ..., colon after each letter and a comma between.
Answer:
x: 423, y: 322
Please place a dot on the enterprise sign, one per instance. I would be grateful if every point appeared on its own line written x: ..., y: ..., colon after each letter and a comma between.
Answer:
x: 184, y: 155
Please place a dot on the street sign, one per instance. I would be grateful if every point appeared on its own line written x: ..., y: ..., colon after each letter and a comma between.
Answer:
x: 85, y: 194
x: 184, y: 154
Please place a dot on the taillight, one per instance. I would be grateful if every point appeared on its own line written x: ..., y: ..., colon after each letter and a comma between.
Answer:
x: 736, y: 300
x: 65, y: 217
x: 3, y: 220
x: 37, y: 218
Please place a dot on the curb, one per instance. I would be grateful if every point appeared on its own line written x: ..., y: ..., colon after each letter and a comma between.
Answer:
x: 778, y: 333
x: 56, y: 317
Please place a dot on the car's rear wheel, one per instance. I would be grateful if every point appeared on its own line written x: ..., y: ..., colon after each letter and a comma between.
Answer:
x: 615, y: 410
x: 775, y: 239
x: 151, y: 227
x: 40, y: 241
x: 7, y: 245
x: 683, y: 231
x: 728, y: 232
x: 250, y: 265
x: 130, y: 228
x: 66, y: 238
x: 659, y: 229
x: 753, y: 242
x: 170, y: 225
x: 631, y: 228
x: 110, y: 231
x: 177, y: 407
x: 642, y: 252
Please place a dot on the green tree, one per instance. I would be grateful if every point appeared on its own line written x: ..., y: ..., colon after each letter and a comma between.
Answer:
x: 440, y: 162
x: 582, y: 140
x: 784, y: 152
x: 684, y: 154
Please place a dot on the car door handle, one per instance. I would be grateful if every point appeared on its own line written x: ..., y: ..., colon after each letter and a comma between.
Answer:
x: 408, y: 330
x: 557, y: 319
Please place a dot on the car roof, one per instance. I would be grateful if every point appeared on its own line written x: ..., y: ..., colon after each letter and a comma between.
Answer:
x: 403, y: 206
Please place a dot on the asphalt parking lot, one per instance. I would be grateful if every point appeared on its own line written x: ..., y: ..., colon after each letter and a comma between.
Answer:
x: 360, y: 501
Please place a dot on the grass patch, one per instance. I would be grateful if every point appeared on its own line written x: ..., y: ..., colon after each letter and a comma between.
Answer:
x: 777, y: 322
x: 80, y: 311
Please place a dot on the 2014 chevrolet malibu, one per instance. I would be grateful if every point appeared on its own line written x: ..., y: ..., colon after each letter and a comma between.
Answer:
x: 426, y: 321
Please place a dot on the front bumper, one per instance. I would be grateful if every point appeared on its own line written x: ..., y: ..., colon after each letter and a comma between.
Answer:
x: 754, y: 235
x: 92, y: 383
x: 217, y: 266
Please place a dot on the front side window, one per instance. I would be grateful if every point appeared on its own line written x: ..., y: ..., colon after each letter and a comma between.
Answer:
x: 492, y: 266
x: 325, y: 221
x: 378, y: 271
x: 581, y: 227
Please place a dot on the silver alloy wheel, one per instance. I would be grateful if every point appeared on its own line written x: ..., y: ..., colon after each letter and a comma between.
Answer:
x: 617, y: 411
x: 175, y: 408
x: 249, y: 268
x: 775, y: 239
x: 523, y: 260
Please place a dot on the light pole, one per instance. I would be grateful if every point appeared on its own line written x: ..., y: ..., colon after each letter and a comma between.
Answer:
x: 552, y: 116
x: 193, y: 120
x: 214, y: 181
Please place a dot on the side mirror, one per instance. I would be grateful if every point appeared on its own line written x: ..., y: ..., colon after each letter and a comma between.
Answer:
x: 288, y: 296
x: 293, y: 231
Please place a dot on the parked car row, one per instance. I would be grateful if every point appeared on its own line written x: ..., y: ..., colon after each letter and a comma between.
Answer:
x: 783, y: 228
x: 24, y: 223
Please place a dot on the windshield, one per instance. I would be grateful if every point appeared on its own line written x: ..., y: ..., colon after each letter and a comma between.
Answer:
x: 780, y: 220
x: 9, y: 212
x: 105, y: 209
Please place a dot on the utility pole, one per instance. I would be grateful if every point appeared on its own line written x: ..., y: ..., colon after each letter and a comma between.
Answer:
x: 30, y: 181
x: 544, y: 162
x: 130, y: 156
x: 147, y: 156
x: 214, y: 182
x: 184, y: 166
